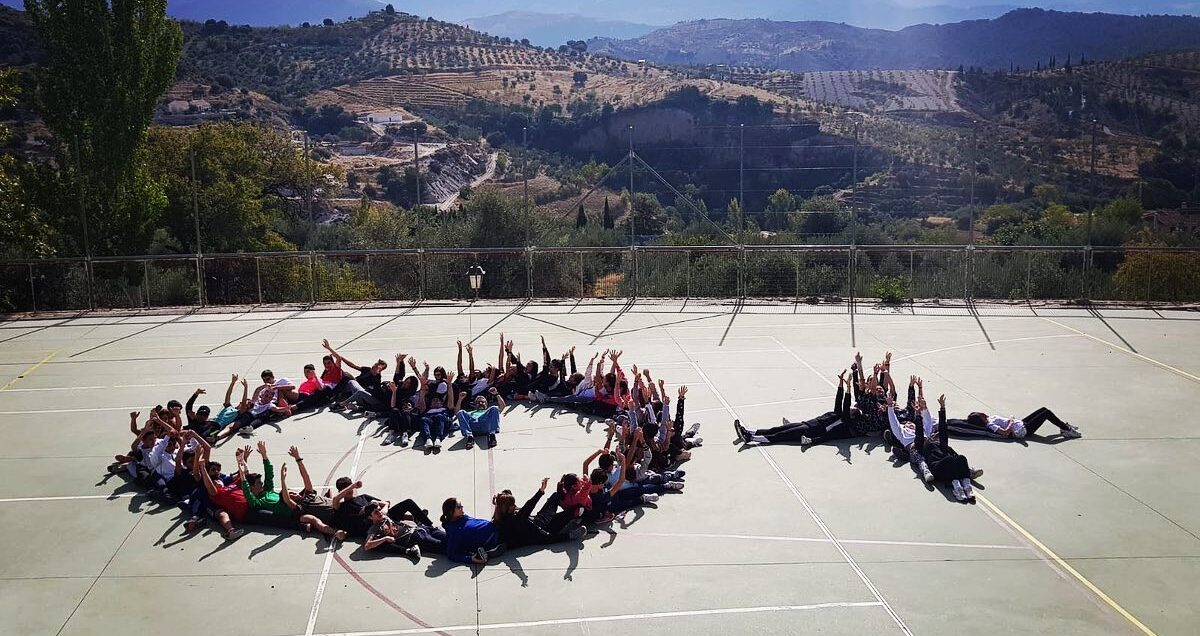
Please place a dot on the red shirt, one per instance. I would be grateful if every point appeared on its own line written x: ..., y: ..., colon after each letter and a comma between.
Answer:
x: 311, y: 386
x: 232, y: 500
x: 332, y: 376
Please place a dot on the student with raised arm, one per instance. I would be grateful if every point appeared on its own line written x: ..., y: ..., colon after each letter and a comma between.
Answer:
x: 904, y: 432
x: 227, y: 501
x: 266, y: 505
x: 364, y: 388
x: 519, y: 527
x: 482, y: 420
x: 435, y: 416
x: 315, y: 510
x: 833, y: 425
x: 946, y: 465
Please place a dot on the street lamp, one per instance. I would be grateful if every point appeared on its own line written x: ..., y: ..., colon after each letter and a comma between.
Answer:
x: 475, y: 278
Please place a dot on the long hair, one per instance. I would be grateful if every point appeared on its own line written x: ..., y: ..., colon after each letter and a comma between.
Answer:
x: 506, y: 504
x: 448, y: 508
x: 568, y: 483
x: 978, y: 419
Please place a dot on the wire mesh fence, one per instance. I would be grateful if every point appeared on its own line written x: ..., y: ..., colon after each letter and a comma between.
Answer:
x: 805, y: 273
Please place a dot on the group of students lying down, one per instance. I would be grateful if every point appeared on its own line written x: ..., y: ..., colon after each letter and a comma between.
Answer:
x: 910, y: 432
x: 638, y: 463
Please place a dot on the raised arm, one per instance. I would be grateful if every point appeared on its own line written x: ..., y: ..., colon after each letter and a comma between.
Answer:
x: 192, y: 402
x: 620, y: 478
x: 499, y: 398
x: 268, y: 470
x: 229, y: 390
x: 571, y: 357
x: 841, y: 393
x: 943, y: 432
x: 133, y: 425
x: 337, y: 356
x: 284, y: 495
x: 470, y: 358
x: 587, y: 463
x: 545, y: 356
x: 460, y: 352
x: 295, y: 453
x: 348, y: 491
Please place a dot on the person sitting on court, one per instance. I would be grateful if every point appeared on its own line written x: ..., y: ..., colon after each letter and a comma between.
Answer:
x: 482, y: 420
x: 136, y: 463
x: 904, y: 432
x: 469, y: 540
x: 313, y: 392
x: 266, y: 506
x: 474, y: 381
x: 578, y: 390
x: 401, y: 535
x: 209, y: 427
x: 226, y: 501
x: 350, y: 504
x: 946, y: 465
x: 366, y: 389
x: 435, y: 416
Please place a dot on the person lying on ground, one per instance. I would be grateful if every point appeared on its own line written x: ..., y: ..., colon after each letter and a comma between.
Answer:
x: 349, y: 506
x: 518, y: 527
x: 947, y: 466
x: 983, y: 425
x: 227, y: 501
x: 469, y: 540
x: 313, y: 511
x: 401, y: 535
x: 266, y: 506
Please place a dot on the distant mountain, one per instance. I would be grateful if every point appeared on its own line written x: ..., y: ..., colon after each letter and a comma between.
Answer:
x: 1022, y: 37
x: 261, y: 12
x: 553, y: 29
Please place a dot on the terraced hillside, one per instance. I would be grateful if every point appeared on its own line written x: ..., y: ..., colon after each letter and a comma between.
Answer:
x: 1166, y: 82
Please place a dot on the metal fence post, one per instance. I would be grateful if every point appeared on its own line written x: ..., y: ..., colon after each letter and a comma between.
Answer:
x: 1148, y: 268
x: 581, y: 279
x: 529, y: 272
x: 1087, y: 270
x: 1028, y: 276
x: 32, y: 289
x: 200, y: 295
x: 851, y: 274
x: 420, y: 274
x: 687, y: 256
x: 968, y: 260
x: 634, y: 268
x: 258, y: 277
x: 87, y: 272
x: 312, y: 278
x: 146, y: 281
x: 370, y: 286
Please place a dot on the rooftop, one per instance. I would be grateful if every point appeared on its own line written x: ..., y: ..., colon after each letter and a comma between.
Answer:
x: 1086, y: 536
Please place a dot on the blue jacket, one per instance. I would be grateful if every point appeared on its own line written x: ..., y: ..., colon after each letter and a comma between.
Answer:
x: 465, y: 534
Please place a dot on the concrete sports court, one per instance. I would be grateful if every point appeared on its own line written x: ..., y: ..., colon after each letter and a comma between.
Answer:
x: 1091, y: 536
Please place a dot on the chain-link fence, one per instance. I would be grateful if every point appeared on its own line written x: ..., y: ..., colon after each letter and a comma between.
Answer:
x: 804, y: 273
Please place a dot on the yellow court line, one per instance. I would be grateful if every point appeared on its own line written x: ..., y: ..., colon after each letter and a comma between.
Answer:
x: 1066, y: 566
x: 1135, y: 354
x: 28, y: 371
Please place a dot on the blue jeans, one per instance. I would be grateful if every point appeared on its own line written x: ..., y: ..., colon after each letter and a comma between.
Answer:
x: 487, y: 424
x: 434, y: 427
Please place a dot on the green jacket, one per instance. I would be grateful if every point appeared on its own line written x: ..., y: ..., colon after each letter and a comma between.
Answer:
x: 270, y: 500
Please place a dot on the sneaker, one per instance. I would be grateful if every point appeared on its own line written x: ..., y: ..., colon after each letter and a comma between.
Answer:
x: 435, y: 445
x: 337, y: 407
x: 958, y: 490
x: 926, y: 474
x: 976, y: 473
x: 805, y: 440
x: 235, y: 534
x: 674, y: 485
x: 577, y: 533
x: 676, y: 475
x: 1071, y: 432
x: 739, y: 430
x: 492, y: 440
x: 451, y: 432
x: 481, y: 553
x: 470, y: 443
x: 389, y: 439
x: 697, y: 442
x: 691, y: 432
x: 370, y: 415
x: 403, y: 440
x: 246, y: 431
x: 966, y: 488
x: 193, y: 523
x: 115, y: 467
x: 606, y: 518
x: 649, y: 498
x: 413, y: 552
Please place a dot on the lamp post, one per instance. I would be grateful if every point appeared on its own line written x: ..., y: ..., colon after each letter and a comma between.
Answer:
x: 475, y: 278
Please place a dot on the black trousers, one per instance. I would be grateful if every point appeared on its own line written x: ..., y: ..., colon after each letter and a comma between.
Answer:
x: 396, y: 512
x: 816, y: 430
x: 1034, y: 420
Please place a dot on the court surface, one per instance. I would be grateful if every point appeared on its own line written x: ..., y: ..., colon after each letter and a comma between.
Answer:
x: 1091, y: 536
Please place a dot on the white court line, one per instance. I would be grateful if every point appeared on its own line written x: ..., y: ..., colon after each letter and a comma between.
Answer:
x: 1135, y: 354
x: 324, y: 580
x: 919, y: 544
x: 605, y: 619
x: 980, y: 344
x: 802, y: 361
x: 751, y: 406
x: 123, y: 495
x: 812, y: 513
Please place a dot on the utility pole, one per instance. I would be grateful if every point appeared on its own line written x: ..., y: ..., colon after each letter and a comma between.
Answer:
x: 1093, y: 179
x: 631, y: 232
x: 742, y: 184
x: 417, y: 166
x: 196, y: 218
x: 974, y: 171
x: 854, y: 188
x: 525, y: 163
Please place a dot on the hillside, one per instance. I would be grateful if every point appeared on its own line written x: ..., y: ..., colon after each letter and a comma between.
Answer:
x: 1023, y: 38
x: 553, y: 29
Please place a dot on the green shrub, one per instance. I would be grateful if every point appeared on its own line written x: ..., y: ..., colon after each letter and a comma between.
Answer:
x: 891, y: 290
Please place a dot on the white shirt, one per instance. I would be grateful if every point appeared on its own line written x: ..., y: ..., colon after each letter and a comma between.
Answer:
x: 160, y: 460
x: 998, y: 424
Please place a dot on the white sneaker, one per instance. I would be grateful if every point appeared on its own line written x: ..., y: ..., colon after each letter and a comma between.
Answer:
x: 805, y: 440
x: 958, y: 490
x: 1071, y: 432
x: 649, y: 498
x: 389, y: 439
x: 404, y: 439
x: 926, y: 474
x: 695, y: 428
x: 246, y: 431
x: 967, y: 490
x: 697, y: 442
x: 673, y: 485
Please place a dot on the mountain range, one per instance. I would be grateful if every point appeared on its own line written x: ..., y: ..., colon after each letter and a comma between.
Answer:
x: 564, y: 19
x: 1022, y: 37
x: 553, y: 29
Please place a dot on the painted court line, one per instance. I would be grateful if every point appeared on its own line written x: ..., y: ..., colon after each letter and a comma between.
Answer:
x: 980, y: 344
x: 324, y: 580
x: 809, y: 509
x: 919, y: 544
x: 28, y: 371
x: 1134, y: 354
x: 124, y: 495
x: 607, y: 619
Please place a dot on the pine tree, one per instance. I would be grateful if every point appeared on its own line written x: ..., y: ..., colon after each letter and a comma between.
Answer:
x: 581, y: 218
x: 608, y: 217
